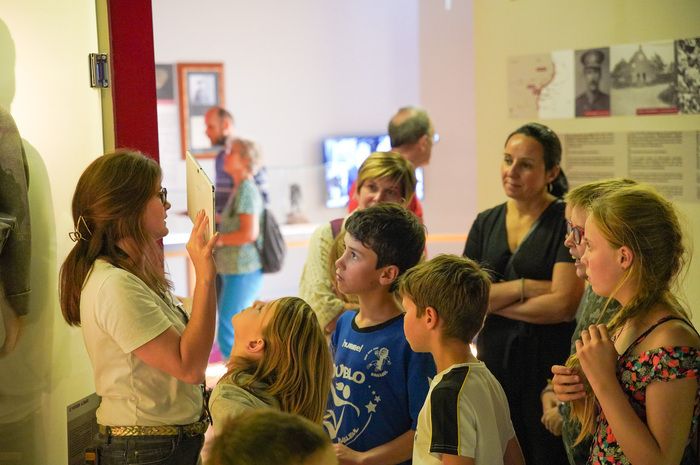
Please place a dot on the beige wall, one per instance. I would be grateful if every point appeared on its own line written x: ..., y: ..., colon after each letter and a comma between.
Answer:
x: 447, y: 89
x: 504, y: 28
x: 295, y: 72
x: 323, y: 69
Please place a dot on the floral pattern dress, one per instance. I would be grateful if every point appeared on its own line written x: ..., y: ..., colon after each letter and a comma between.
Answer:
x: 635, y: 373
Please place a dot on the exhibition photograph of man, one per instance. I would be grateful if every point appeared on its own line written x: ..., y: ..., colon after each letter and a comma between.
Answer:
x: 592, y: 101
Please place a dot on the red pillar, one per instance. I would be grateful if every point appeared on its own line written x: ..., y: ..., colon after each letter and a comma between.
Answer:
x: 133, y: 79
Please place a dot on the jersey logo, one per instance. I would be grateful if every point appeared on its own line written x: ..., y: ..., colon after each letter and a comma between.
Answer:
x: 378, y: 361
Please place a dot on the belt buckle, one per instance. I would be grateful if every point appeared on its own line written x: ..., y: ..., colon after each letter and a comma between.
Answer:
x: 194, y: 429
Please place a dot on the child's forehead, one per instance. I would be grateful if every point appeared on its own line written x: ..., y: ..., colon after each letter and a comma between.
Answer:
x: 356, y: 244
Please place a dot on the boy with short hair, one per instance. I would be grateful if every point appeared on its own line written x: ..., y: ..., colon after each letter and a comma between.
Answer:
x: 270, y: 436
x: 465, y: 419
x: 380, y: 384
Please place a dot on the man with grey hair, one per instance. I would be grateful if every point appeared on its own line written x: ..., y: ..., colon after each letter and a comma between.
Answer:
x: 412, y: 136
x: 411, y: 133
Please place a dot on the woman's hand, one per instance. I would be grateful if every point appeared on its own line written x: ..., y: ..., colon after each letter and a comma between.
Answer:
x: 598, y: 356
x: 535, y: 287
x: 201, y: 250
x: 551, y: 418
x: 567, y: 384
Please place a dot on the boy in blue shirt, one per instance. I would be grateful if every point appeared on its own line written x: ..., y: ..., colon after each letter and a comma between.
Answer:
x: 465, y: 419
x: 379, y: 384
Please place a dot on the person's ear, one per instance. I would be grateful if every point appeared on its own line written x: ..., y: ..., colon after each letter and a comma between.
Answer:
x: 424, y: 141
x: 432, y: 318
x: 626, y: 257
x: 553, y: 173
x: 388, y: 275
x: 255, y: 347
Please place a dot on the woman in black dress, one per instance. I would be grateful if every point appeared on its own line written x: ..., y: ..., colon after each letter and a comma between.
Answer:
x: 535, y: 290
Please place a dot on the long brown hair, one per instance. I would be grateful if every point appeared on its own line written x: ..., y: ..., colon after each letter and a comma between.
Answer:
x: 637, y: 217
x: 108, y: 206
x: 296, y: 363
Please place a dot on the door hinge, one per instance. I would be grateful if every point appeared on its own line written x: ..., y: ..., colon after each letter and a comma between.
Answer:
x: 99, y: 70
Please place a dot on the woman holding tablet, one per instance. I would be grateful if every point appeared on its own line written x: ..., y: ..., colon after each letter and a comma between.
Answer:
x: 148, y: 354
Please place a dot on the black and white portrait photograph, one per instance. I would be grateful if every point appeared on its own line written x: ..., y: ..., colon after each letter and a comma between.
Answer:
x: 202, y: 88
x: 592, y: 82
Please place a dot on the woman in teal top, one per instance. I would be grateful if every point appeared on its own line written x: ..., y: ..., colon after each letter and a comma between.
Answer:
x: 237, y: 258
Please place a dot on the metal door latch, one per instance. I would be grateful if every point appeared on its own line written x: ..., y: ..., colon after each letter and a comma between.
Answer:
x: 99, y: 70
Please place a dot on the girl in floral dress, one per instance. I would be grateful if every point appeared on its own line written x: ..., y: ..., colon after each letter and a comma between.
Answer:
x: 642, y: 399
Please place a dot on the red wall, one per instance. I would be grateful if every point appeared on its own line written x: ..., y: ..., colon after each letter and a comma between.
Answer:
x: 133, y: 75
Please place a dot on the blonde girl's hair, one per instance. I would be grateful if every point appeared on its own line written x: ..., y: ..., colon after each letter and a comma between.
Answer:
x: 108, y: 206
x: 583, y: 196
x: 296, y: 363
x: 336, y: 251
x: 638, y: 217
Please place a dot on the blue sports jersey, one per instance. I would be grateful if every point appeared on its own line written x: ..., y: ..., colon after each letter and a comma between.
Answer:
x: 379, y: 384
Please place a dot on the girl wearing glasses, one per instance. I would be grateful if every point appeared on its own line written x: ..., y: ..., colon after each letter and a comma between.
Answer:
x: 591, y: 310
x: 237, y: 258
x: 642, y: 400
x: 148, y: 354
x: 535, y: 290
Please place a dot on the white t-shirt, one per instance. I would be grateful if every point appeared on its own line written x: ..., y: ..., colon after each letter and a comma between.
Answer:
x: 119, y: 314
x: 466, y: 413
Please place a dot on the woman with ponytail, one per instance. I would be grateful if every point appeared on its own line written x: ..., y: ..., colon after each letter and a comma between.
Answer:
x: 640, y: 371
x: 148, y: 354
x: 535, y: 290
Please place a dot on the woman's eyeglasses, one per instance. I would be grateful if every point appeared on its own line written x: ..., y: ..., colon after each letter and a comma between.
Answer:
x: 575, y: 231
x: 163, y: 195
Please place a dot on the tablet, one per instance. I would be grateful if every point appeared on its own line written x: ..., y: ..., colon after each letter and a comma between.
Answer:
x: 200, y: 192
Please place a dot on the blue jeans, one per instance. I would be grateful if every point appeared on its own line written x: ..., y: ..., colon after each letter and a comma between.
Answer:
x: 154, y: 450
x: 238, y: 292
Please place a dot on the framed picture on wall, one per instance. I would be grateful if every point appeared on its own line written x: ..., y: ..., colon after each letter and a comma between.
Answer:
x: 200, y: 87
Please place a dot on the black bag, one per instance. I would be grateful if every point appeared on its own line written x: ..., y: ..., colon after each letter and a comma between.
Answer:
x: 273, y: 248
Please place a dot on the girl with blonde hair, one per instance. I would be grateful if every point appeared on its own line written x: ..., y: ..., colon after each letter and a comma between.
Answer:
x: 641, y: 369
x: 279, y: 360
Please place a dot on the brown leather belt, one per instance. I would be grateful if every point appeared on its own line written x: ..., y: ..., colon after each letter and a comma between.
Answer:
x: 163, y: 430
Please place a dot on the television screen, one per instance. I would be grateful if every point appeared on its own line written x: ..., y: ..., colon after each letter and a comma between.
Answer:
x: 342, y: 157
